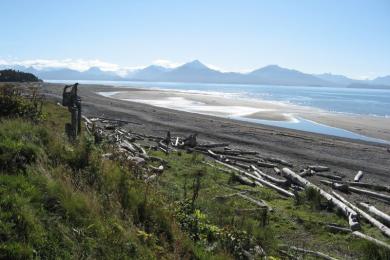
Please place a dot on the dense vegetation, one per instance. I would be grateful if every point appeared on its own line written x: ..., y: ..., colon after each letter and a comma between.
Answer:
x: 17, y: 76
x: 63, y: 200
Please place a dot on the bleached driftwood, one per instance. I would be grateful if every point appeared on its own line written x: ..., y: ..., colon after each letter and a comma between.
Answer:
x: 140, y: 149
x: 261, y: 181
x: 346, y: 188
x: 329, y: 176
x: 373, y: 210
x: 269, y: 177
x: 228, y: 152
x: 242, y: 159
x: 277, y: 160
x: 151, y: 178
x: 105, y: 119
x: 385, y: 230
x: 349, y: 212
x: 214, y: 155
x: 311, y: 252
x: 257, y: 174
x: 86, y: 119
x: 319, y: 168
x: 235, y: 163
x: 358, y: 176
x: 336, y: 228
x: 177, y: 141
x: 371, y: 239
x: 338, y: 186
x: 371, y: 186
x: 212, y: 145
x: 277, y: 171
x: 371, y: 193
x: 244, y: 180
x: 128, y: 146
x: 159, y: 169
x: 260, y: 204
x: 306, y: 172
x: 265, y: 164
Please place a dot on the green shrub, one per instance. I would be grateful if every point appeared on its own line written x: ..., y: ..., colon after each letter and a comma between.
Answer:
x: 314, y: 198
x: 14, y: 104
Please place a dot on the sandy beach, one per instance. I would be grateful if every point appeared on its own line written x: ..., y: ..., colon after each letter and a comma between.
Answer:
x: 344, y: 156
x: 218, y: 104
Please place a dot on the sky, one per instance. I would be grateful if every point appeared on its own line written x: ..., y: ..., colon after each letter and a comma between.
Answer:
x: 349, y: 37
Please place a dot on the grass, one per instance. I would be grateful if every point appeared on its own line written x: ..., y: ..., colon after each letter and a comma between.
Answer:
x: 299, y: 224
x: 62, y: 200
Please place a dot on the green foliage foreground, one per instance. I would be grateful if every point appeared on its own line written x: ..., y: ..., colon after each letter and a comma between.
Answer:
x: 62, y: 200
x: 59, y: 200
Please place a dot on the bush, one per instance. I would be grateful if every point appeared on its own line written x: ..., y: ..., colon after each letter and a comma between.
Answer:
x: 314, y: 198
x: 13, y: 103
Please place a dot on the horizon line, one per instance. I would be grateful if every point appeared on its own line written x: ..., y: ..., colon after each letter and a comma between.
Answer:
x: 83, y: 65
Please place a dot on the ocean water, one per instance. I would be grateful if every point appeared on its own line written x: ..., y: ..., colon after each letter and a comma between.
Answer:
x: 360, y: 101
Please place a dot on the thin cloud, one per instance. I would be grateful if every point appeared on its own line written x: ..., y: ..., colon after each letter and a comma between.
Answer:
x: 75, y: 64
x: 166, y: 63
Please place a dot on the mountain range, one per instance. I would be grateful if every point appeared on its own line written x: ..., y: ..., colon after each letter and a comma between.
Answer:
x: 195, y: 71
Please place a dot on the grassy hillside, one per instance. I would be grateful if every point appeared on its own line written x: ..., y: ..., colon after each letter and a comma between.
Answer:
x: 63, y: 200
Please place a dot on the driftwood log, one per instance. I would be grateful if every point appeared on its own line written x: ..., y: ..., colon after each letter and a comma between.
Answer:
x: 374, y: 211
x: 335, y: 228
x: 244, y: 180
x: 329, y: 176
x: 311, y: 252
x: 319, y: 168
x: 373, y: 240
x: 358, y: 176
x: 265, y: 164
x: 277, y: 160
x: 346, y: 188
x: 261, y: 181
x: 385, y: 230
x: 269, y: 177
x: 370, y: 186
x: 258, y: 203
x: 372, y: 194
x: 348, y: 211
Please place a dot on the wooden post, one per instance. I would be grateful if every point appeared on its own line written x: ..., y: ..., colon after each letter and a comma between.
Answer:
x: 73, y: 102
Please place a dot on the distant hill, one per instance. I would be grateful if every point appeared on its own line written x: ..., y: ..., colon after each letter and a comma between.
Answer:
x: 10, y: 75
x: 337, y: 79
x: 152, y: 72
x: 275, y: 75
x: 382, y: 80
x: 195, y: 71
x: 93, y: 73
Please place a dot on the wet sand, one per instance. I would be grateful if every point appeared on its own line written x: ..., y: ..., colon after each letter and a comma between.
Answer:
x: 221, y: 105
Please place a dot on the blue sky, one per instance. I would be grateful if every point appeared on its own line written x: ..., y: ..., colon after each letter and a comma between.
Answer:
x: 343, y: 37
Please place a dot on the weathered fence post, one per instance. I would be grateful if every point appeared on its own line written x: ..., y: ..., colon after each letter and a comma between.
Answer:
x: 73, y: 102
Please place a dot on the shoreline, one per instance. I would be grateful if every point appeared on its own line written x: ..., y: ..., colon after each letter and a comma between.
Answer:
x: 276, y: 113
x: 345, y: 156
